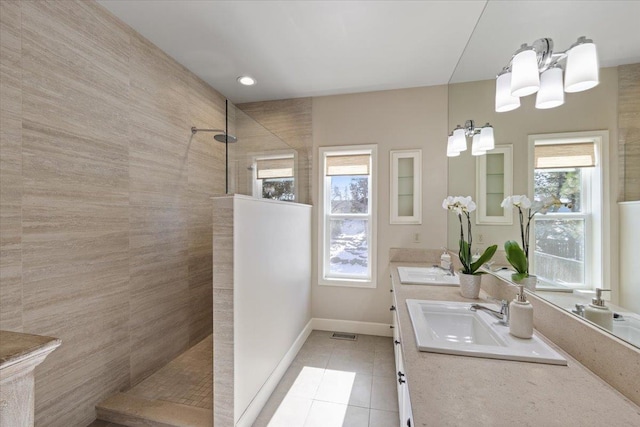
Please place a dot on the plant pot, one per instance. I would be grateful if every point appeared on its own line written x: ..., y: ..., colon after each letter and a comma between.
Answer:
x: 529, y: 282
x: 470, y: 285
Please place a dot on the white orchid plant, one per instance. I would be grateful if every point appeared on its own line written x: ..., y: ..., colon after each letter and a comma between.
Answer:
x: 519, y: 257
x: 464, y: 206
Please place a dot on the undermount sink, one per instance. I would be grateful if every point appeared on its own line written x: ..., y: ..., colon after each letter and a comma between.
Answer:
x: 452, y: 328
x: 427, y: 276
x: 627, y: 327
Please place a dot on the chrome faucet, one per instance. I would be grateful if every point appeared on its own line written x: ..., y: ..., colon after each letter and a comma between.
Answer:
x: 579, y: 310
x: 502, y: 315
x: 450, y: 271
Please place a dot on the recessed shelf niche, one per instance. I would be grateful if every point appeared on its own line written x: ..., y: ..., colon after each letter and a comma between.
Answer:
x: 494, y: 182
x: 406, y: 187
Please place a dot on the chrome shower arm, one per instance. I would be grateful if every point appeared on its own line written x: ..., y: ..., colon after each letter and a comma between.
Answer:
x: 194, y: 130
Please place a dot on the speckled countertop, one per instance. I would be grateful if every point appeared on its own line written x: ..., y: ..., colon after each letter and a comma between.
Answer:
x: 448, y: 390
x: 16, y: 347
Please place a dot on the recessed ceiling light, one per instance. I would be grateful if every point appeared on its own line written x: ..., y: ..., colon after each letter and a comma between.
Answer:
x: 246, y: 80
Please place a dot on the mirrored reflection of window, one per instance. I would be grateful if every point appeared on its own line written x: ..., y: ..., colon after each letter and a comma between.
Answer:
x: 566, y: 236
x: 274, y: 177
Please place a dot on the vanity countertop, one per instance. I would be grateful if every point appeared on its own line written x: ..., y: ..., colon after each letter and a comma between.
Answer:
x: 16, y: 347
x: 448, y: 390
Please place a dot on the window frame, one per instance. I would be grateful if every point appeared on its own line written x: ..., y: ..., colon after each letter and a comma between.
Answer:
x: 594, y: 194
x: 279, y: 154
x: 324, y: 217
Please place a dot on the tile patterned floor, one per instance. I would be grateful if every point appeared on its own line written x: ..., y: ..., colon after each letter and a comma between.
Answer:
x: 331, y: 383
x: 336, y: 383
x: 187, y: 379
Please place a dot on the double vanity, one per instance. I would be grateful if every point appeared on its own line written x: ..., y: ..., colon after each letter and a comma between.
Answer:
x: 457, y: 366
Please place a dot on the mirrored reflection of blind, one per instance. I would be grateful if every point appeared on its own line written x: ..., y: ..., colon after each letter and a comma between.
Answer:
x: 355, y: 164
x: 555, y: 156
x: 275, y: 168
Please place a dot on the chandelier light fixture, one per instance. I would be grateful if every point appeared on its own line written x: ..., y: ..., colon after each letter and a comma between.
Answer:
x: 537, y: 68
x: 481, y: 139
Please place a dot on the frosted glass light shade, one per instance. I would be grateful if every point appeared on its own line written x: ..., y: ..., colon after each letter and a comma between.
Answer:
x: 475, y: 146
x: 459, y: 140
x: 486, y: 141
x: 582, y: 68
x: 551, y: 93
x: 450, y: 151
x: 504, y: 100
x: 525, y: 78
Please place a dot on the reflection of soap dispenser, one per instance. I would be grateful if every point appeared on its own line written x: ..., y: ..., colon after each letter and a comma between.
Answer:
x: 521, y: 315
x: 599, y: 313
x: 445, y: 260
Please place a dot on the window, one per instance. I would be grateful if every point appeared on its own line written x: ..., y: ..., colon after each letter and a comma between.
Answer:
x: 568, y: 239
x: 347, y: 216
x: 274, y: 177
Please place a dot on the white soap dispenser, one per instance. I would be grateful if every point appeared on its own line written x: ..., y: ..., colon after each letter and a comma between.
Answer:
x: 598, y: 312
x: 445, y: 260
x: 521, y: 315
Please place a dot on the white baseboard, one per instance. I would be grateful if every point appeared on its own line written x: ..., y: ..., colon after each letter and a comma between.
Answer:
x: 253, y: 410
x: 366, y: 328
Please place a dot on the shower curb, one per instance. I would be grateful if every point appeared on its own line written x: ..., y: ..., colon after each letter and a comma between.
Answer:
x: 134, y: 411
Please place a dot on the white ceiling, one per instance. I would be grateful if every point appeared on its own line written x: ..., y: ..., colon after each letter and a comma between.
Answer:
x: 313, y: 48
x: 613, y: 25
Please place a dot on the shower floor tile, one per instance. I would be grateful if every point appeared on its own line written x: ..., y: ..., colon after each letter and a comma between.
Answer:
x: 187, y: 379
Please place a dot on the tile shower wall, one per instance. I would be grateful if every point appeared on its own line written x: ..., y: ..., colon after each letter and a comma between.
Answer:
x: 105, y: 201
x: 629, y: 131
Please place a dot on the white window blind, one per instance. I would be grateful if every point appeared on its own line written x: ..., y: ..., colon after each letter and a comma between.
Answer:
x: 556, y: 156
x: 355, y: 164
x: 275, y: 168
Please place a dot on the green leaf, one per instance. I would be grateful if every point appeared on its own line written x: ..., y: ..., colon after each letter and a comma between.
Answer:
x: 516, y: 277
x: 465, y: 256
x: 485, y: 257
x: 516, y: 257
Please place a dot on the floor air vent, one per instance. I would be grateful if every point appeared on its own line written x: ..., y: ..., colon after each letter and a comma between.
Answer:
x: 343, y: 336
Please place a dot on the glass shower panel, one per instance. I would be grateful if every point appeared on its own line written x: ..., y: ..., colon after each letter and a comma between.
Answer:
x: 262, y: 165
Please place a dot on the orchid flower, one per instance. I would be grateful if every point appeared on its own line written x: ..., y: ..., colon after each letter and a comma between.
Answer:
x: 464, y: 206
x: 522, y: 202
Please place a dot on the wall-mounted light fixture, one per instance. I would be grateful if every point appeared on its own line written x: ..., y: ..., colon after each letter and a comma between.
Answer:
x: 481, y: 139
x: 537, y: 68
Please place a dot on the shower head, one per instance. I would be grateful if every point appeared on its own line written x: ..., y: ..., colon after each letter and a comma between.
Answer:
x: 221, y: 136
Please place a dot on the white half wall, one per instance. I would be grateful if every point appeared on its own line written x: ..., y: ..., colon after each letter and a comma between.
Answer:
x: 629, y: 285
x: 272, y: 289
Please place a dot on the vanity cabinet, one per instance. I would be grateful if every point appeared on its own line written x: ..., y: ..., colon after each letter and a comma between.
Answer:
x: 494, y: 182
x: 406, y: 187
x: 404, y: 401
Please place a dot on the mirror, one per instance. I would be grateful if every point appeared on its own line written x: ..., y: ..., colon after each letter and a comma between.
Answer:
x: 472, y: 97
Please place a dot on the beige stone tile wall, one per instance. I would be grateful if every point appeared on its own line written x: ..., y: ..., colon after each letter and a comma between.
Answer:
x: 629, y: 131
x: 104, y: 201
x: 223, y: 350
x: 10, y: 167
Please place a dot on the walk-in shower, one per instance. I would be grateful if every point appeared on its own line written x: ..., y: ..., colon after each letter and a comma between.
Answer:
x: 258, y: 162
